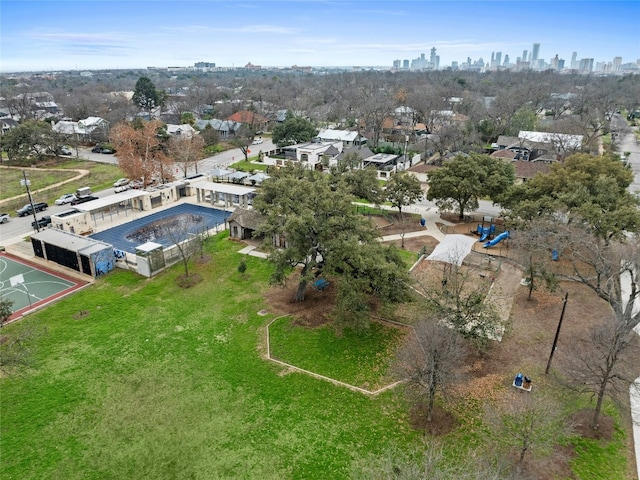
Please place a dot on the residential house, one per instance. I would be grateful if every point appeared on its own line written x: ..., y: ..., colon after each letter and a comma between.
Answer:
x: 313, y: 155
x: 7, y: 124
x: 255, y: 121
x: 184, y: 130
x: 224, y: 128
x: 347, y: 137
x: 537, y: 146
x: 91, y: 129
x: 384, y: 163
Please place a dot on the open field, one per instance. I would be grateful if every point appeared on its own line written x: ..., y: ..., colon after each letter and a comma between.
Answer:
x: 100, y: 176
x: 139, y: 378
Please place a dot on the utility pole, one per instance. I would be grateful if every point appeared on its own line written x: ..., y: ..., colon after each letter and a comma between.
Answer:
x: 26, y: 183
x: 555, y: 340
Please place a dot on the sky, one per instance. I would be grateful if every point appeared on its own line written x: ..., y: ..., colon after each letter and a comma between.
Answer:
x: 101, y: 34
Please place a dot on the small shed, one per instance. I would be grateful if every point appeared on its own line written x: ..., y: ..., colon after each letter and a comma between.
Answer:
x: 150, y: 258
x: 243, y: 223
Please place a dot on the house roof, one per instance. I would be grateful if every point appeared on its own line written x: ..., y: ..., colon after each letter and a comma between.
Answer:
x: 251, y: 219
x: 530, y: 169
x: 342, y: 135
x: 245, y: 116
x: 505, y: 153
x: 184, y: 129
x: 363, y: 152
x: 218, y: 125
x: 9, y: 122
x: 92, y: 122
x: 557, y: 139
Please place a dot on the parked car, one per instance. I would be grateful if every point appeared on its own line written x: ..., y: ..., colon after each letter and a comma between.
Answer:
x: 107, y: 151
x: 37, y: 207
x: 257, y: 141
x: 42, y: 222
x: 97, y: 149
x: 66, y: 198
x: 66, y: 151
x: 4, y: 217
x: 121, y: 188
x: 86, y: 198
x: 137, y: 184
x: 121, y: 181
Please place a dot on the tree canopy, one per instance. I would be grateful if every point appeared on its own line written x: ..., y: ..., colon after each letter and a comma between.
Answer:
x: 146, y: 96
x: 142, y: 151
x: 292, y: 131
x: 461, y: 182
x: 32, y: 138
x: 325, y: 236
x: 586, y: 187
x: 403, y: 189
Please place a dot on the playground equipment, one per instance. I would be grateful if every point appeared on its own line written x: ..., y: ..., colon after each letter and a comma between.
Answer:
x: 484, y: 232
x: 522, y: 382
x: 496, y: 240
x: 320, y: 284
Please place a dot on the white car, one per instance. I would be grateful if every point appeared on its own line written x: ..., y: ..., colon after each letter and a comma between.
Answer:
x: 257, y: 141
x: 121, y: 182
x: 121, y: 188
x: 67, y: 198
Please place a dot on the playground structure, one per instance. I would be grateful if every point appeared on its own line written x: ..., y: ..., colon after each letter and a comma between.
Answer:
x: 484, y: 232
x: 497, y: 240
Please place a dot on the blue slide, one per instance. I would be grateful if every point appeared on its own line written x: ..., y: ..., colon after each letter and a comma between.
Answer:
x: 485, y: 232
x: 498, y: 239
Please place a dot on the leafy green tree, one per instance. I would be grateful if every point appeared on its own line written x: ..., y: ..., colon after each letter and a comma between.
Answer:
x: 187, y: 118
x: 292, y: 131
x: 325, y: 236
x: 5, y: 310
x: 523, y: 119
x: 593, y: 189
x: 146, y: 96
x: 31, y: 139
x: 361, y: 182
x: 403, y: 189
x: 460, y: 183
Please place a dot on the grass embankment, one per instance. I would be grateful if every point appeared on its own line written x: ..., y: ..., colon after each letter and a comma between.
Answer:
x: 101, y: 176
x: 161, y: 382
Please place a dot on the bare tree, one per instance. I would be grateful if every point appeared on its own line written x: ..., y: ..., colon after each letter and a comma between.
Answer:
x: 427, y: 463
x: 612, y: 271
x: 527, y: 424
x: 458, y: 298
x: 182, y: 231
x: 430, y: 361
x: 186, y: 151
x: 535, y: 255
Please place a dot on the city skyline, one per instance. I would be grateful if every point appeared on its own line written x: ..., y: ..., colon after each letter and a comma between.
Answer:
x: 96, y: 34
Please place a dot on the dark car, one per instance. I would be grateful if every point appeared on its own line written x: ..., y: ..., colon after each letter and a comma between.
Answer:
x: 42, y: 222
x: 86, y: 198
x: 26, y: 210
x: 97, y: 149
x: 108, y: 151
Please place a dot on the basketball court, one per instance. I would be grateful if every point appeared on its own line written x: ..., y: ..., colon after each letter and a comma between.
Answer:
x: 31, y: 286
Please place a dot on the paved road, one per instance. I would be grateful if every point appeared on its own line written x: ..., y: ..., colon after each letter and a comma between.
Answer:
x: 626, y: 142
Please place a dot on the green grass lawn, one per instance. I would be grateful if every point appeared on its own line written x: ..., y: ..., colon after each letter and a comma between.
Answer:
x: 160, y: 382
x: 248, y: 166
x: 359, y: 359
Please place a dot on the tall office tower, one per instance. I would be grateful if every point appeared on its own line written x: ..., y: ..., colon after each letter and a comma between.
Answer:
x: 432, y: 59
x: 561, y: 64
x: 574, y: 60
x: 524, y: 56
x: 554, y: 62
x: 617, y: 64
x: 405, y: 64
x: 396, y: 64
x: 437, y: 64
x: 506, y: 60
x: 493, y: 59
x: 498, y: 58
x: 535, y: 53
